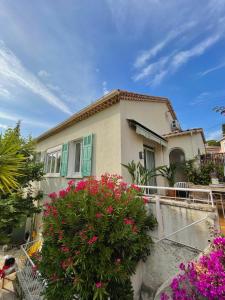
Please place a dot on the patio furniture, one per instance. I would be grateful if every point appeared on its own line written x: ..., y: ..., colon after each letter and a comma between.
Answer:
x: 182, y: 194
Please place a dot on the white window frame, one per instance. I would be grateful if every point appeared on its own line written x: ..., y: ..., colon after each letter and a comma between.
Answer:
x: 49, y: 151
x: 71, y: 160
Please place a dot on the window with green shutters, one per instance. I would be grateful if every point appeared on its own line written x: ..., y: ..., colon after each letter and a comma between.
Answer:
x: 64, y: 160
x: 87, y: 155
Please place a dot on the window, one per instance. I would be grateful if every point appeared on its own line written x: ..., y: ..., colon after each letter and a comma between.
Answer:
x: 52, y: 163
x: 75, y: 158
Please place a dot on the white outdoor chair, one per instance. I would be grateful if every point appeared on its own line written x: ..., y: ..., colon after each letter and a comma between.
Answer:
x: 184, y: 185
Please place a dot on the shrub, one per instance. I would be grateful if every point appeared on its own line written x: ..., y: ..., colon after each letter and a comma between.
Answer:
x: 94, y: 235
x: 204, y: 279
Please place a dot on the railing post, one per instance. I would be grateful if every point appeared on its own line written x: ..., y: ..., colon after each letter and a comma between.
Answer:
x: 159, y: 217
x: 211, y: 198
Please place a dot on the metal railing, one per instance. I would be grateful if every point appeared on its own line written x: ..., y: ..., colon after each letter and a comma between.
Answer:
x: 191, y: 194
x: 29, y: 277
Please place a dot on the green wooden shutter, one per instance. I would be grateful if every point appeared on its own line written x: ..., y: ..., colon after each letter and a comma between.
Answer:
x: 64, y: 160
x: 87, y: 155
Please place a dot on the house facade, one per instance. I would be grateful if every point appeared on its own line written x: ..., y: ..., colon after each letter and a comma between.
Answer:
x: 116, y: 129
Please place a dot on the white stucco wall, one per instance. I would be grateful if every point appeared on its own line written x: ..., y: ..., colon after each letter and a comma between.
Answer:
x: 105, y: 126
x: 154, y: 116
x: 222, y: 145
x: 190, y: 144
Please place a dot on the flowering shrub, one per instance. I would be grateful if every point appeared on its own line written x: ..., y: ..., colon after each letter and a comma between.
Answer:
x: 95, y: 232
x: 204, y: 279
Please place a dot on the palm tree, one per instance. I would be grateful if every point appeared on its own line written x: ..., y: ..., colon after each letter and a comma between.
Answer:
x: 11, y: 161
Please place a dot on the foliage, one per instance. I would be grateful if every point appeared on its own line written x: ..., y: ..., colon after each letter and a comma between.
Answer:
x: 204, y: 279
x: 220, y: 109
x: 17, y: 198
x: 168, y: 172
x: 11, y: 161
x: 94, y: 234
x: 139, y: 174
x: 201, y: 174
x: 213, y: 143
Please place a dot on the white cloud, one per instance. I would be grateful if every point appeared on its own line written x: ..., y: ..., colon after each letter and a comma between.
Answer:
x: 3, y: 126
x: 210, y: 70
x: 4, y: 92
x: 183, y: 56
x: 12, y: 69
x: 43, y: 74
x: 104, y: 88
x: 25, y: 120
x: 167, y: 65
x: 214, y: 135
x: 142, y: 59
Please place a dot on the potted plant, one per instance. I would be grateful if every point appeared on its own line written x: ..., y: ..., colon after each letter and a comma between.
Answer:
x: 168, y: 172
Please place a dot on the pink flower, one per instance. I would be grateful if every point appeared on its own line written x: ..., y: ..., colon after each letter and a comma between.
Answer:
x: 92, y: 240
x: 71, y: 182
x: 98, y: 284
x: 62, y: 193
x: 128, y: 221
x: 110, y: 209
x: 118, y: 261
x: 145, y: 200
x: 98, y: 215
x: 81, y: 185
x: 52, y: 195
x: 65, y: 249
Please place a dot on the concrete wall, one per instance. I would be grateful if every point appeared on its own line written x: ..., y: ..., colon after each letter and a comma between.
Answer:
x: 163, y: 263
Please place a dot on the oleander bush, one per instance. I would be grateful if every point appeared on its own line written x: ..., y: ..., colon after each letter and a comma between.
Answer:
x: 95, y: 233
x: 204, y: 279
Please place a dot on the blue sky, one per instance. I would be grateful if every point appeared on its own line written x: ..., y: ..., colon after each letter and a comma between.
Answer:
x: 58, y: 56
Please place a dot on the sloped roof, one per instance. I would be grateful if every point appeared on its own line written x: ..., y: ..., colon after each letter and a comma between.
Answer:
x: 185, y: 132
x: 104, y: 102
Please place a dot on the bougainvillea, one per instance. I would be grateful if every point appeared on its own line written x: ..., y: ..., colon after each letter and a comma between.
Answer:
x: 95, y: 232
x: 204, y: 279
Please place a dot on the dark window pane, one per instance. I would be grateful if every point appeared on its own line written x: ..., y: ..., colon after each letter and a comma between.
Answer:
x: 77, y: 157
x: 54, y: 155
x: 58, y: 162
x: 48, y: 163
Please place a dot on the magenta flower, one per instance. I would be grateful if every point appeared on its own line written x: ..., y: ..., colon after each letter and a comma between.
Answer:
x: 110, y: 209
x: 62, y: 193
x: 98, y: 284
x: 52, y: 195
x: 92, y: 240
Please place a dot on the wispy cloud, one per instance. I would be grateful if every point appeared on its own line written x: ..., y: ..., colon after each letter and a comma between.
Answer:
x: 214, y: 135
x: 155, y: 72
x: 104, y: 88
x: 43, y: 74
x: 145, y: 56
x: 3, y: 126
x: 206, y: 96
x: 4, y: 92
x: 25, y: 120
x: 12, y: 69
x: 210, y: 70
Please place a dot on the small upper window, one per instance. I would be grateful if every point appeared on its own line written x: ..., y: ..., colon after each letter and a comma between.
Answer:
x: 53, y: 161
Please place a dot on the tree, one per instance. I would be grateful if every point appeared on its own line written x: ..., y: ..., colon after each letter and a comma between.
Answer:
x: 213, y: 143
x: 18, y: 171
x: 220, y: 109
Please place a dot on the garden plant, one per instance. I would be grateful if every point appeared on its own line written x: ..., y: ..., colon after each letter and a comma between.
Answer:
x: 95, y: 233
x: 201, y: 280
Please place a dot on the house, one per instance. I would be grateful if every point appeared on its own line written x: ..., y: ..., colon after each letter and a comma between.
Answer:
x: 118, y: 128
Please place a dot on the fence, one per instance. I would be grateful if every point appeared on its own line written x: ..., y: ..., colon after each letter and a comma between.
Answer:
x: 29, y: 278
